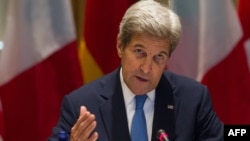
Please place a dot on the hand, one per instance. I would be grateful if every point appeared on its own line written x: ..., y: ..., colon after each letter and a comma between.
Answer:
x: 84, y: 126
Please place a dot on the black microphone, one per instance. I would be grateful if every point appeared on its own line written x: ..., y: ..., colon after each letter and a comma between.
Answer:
x: 162, y: 135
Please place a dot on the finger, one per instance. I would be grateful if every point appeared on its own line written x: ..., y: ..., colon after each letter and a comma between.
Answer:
x: 93, y: 137
x: 83, y: 110
x: 84, y: 134
x: 87, y: 126
x: 83, y: 116
x: 77, y: 129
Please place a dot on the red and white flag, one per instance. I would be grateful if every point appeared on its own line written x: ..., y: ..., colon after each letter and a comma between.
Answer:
x: 38, y: 65
x: 212, y: 51
x: 1, y: 122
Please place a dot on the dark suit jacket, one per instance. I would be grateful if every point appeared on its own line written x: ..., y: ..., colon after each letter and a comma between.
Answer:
x: 182, y: 108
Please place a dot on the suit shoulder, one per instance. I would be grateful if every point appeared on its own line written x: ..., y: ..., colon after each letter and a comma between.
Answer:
x: 188, y: 89
x: 96, y: 87
x: 180, y: 78
x: 182, y: 82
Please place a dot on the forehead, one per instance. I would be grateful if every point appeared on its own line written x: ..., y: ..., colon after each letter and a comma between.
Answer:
x: 147, y: 40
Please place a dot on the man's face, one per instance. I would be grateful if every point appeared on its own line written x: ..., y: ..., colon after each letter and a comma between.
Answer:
x: 143, y: 61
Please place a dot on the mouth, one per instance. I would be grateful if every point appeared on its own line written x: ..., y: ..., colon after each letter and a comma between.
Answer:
x: 141, y: 79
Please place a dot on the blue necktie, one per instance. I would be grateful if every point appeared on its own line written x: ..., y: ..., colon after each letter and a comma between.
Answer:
x: 139, y: 128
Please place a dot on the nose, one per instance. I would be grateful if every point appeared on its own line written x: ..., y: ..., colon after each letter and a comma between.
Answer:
x: 146, y: 65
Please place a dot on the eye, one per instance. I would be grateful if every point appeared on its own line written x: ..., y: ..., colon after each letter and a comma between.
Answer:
x: 139, y: 52
x: 160, y: 58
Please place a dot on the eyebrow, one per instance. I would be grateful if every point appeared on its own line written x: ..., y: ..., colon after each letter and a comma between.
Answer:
x: 139, y: 45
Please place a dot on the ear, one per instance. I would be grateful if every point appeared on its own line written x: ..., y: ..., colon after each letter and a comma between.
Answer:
x: 119, y: 47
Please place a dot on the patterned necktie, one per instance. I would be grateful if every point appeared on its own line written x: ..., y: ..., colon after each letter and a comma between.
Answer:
x: 139, y: 128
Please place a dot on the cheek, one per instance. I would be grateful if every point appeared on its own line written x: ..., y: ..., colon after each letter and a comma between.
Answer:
x: 129, y: 61
x: 130, y: 65
x: 157, y: 72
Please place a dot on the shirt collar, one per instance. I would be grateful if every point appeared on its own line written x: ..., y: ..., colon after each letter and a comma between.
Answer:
x: 129, y: 95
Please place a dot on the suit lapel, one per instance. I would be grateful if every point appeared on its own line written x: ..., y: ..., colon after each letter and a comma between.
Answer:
x: 164, y: 110
x: 120, y: 130
x: 113, y: 110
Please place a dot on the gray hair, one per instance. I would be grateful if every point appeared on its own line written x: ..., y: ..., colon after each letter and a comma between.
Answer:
x: 154, y: 18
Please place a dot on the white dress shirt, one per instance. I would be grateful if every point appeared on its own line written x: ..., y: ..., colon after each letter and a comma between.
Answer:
x: 148, y: 108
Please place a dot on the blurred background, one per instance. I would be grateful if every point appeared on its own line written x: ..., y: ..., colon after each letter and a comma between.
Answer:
x: 49, y: 48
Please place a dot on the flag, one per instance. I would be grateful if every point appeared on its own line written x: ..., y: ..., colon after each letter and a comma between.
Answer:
x: 245, y: 22
x: 2, y: 16
x: 98, y: 46
x: 38, y: 66
x: 1, y: 122
x: 211, y: 51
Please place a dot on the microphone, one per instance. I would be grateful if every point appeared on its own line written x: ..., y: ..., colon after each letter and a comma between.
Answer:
x: 162, y: 135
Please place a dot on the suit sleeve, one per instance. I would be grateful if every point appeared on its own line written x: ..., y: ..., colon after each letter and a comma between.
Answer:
x: 210, y: 128
x: 67, y: 119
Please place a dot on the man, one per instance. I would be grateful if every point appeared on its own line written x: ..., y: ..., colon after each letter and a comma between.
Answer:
x: 104, y: 110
